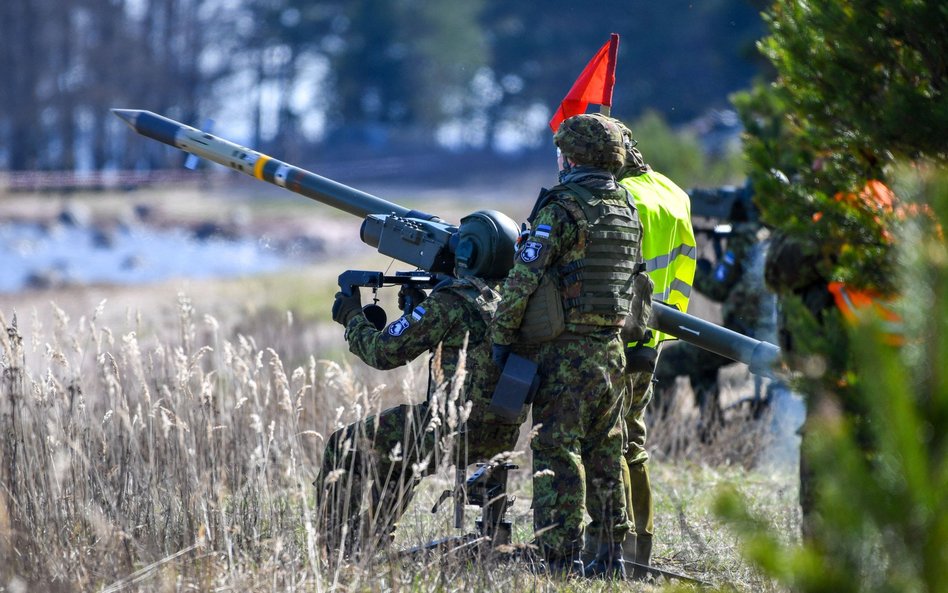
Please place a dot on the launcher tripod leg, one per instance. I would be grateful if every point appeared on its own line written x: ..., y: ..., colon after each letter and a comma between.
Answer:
x: 486, y: 488
x: 494, y: 503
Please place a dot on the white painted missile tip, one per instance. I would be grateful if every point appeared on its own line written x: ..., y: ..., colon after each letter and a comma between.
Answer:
x: 127, y: 115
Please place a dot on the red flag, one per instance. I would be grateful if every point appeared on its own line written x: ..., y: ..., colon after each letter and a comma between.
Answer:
x: 594, y: 84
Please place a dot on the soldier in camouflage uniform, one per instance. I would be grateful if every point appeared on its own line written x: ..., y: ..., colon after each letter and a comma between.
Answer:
x: 584, y: 244
x: 747, y: 307
x: 388, y: 453
x: 664, y: 210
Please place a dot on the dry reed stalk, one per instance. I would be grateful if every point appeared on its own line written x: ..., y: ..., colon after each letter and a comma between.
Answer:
x: 182, y: 457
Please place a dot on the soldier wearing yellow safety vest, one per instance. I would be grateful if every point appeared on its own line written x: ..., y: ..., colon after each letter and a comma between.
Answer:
x: 735, y: 280
x: 668, y: 248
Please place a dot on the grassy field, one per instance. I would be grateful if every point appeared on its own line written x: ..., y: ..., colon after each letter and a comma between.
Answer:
x: 164, y: 438
x: 152, y: 456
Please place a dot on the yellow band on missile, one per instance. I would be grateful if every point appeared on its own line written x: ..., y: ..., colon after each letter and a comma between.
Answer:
x: 258, y: 166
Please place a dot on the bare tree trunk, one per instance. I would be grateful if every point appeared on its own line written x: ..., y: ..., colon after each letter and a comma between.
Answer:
x: 66, y: 96
x: 258, y: 102
x: 22, y: 22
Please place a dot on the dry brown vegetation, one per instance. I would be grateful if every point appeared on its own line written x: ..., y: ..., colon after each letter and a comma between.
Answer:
x: 180, y: 457
x: 159, y: 442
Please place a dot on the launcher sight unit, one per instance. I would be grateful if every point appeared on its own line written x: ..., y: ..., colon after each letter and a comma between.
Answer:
x: 482, y: 244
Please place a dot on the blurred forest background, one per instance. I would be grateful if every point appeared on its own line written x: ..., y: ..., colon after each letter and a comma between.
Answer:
x: 316, y: 80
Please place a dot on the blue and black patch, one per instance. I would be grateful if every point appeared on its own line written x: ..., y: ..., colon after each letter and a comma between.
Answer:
x: 397, y: 327
x: 530, y: 251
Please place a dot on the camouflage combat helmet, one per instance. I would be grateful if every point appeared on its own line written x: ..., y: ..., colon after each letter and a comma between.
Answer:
x: 589, y: 139
x: 634, y: 161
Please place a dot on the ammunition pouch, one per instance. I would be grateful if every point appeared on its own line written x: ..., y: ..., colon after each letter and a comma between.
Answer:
x: 543, y: 319
x: 517, y: 385
x: 640, y: 358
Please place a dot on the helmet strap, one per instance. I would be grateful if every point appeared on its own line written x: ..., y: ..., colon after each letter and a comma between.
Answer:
x: 564, y: 163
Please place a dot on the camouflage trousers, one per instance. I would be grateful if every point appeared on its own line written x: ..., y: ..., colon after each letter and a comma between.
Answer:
x: 638, y: 487
x: 371, y: 467
x: 577, y: 450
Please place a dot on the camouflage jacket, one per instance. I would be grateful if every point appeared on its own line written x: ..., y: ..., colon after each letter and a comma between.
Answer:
x: 554, y: 236
x: 445, y: 318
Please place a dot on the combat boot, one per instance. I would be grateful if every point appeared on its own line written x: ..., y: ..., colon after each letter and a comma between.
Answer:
x: 609, y: 563
x: 566, y: 566
x: 643, y: 557
x: 628, y: 548
x: 591, y: 549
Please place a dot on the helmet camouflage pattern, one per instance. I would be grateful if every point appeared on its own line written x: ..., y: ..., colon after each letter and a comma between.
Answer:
x: 590, y: 139
x: 634, y: 161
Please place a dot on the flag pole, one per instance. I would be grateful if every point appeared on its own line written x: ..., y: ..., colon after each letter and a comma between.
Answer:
x: 605, y: 107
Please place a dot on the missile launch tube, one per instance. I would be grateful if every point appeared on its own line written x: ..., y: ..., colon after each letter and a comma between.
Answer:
x: 759, y: 356
x: 261, y: 166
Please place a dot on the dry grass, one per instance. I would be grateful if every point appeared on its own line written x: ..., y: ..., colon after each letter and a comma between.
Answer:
x: 180, y: 457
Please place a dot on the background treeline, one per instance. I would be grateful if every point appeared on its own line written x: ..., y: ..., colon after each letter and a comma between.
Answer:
x: 287, y: 75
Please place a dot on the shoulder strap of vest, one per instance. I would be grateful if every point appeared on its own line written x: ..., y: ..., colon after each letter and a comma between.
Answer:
x: 444, y: 283
x: 583, y: 192
x: 630, y: 200
x: 542, y: 200
x: 589, y: 197
x: 548, y: 195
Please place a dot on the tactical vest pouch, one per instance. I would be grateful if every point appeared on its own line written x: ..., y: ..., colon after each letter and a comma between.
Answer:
x: 515, y: 389
x: 543, y: 320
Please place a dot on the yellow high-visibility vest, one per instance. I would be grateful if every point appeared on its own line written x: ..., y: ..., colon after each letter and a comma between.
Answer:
x: 668, y: 239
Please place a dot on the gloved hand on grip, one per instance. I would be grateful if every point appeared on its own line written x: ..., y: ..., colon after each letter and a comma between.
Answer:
x: 499, y: 354
x: 346, y: 307
x: 409, y: 297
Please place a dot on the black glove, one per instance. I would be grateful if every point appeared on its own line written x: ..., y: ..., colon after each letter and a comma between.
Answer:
x: 639, y: 358
x: 346, y: 307
x: 409, y: 297
x: 500, y: 353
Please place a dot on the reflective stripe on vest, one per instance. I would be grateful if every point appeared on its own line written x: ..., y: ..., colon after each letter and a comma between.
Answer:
x: 856, y: 307
x: 662, y: 261
x: 678, y: 286
x: 668, y: 245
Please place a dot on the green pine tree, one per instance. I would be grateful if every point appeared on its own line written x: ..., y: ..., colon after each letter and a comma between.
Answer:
x: 860, y: 95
